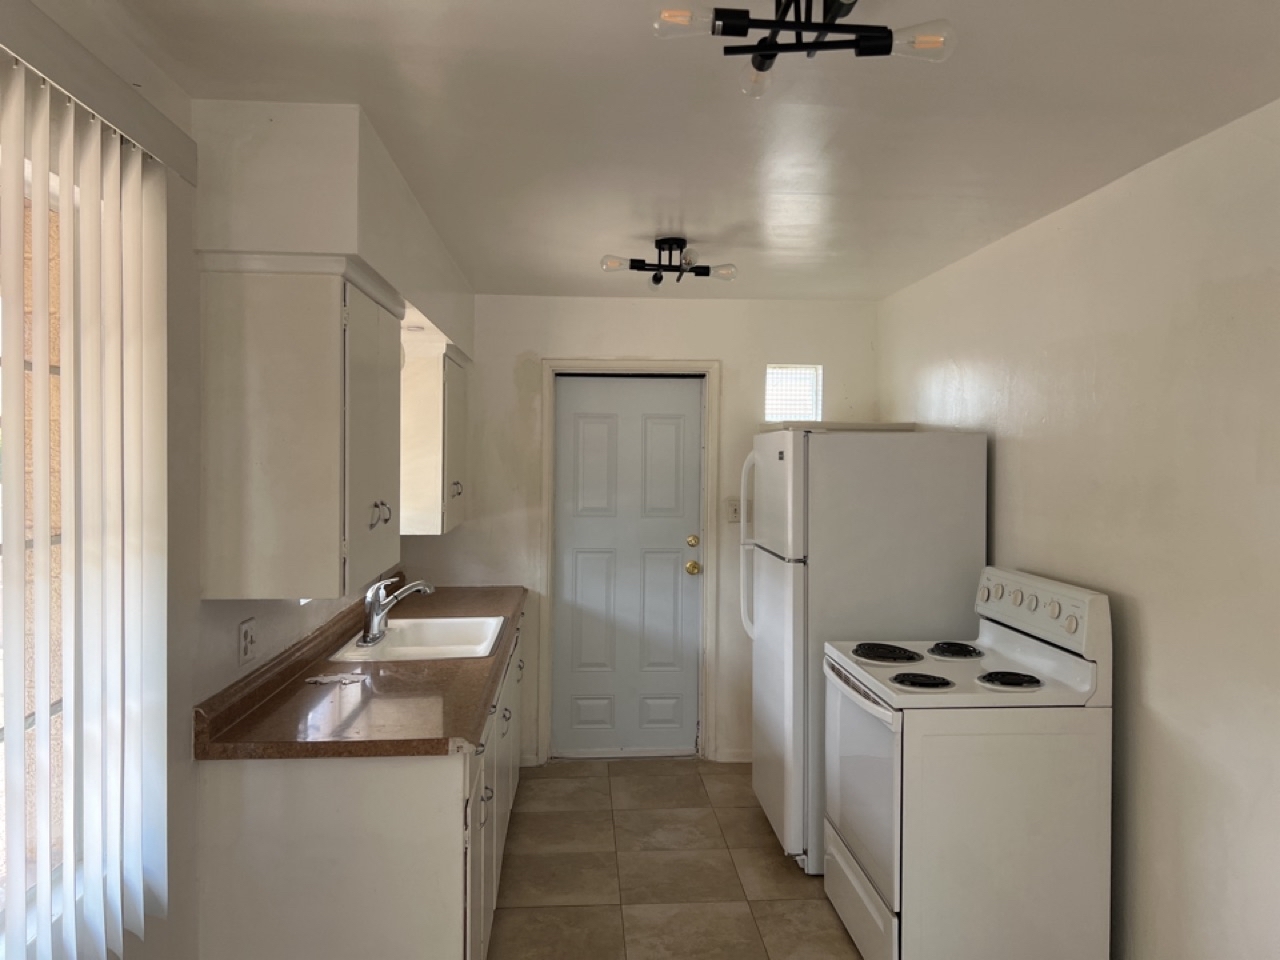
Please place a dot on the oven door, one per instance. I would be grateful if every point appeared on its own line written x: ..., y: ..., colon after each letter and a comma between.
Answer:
x: 864, y: 779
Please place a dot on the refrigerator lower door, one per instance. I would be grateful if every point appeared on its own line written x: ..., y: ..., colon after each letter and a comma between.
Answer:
x: 779, y: 665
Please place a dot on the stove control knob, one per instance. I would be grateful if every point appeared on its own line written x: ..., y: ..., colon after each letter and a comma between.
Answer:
x: 1033, y: 603
x: 984, y: 594
x: 998, y: 591
x: 1016, y: 597
x: 1072, y: 624
x: 1055, y: 609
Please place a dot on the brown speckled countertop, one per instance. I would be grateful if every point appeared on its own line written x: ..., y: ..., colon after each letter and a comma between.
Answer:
x: 405, y: 708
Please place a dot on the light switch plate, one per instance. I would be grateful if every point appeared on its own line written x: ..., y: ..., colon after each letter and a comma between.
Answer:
x: 735, y: 509
x: 246, y: 642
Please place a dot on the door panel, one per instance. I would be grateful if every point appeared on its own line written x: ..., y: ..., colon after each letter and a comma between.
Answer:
x: 364, y: 475
x: 778, y: 697
x: 777, y: 506
x: 455, y: 444
x: 388, y: 433
x: 627, y: 614
x: 864, y: 783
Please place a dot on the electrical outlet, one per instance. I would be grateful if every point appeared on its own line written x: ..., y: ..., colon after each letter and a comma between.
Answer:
x: 735, y: 509
x: 246, y: 643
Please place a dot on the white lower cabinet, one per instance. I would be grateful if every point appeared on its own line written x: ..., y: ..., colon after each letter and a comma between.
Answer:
x: 394, y: 858
x: 493, y: 786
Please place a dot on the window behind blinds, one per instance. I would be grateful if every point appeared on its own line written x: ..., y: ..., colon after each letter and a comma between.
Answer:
x: 82, y: 527
x: 792, y: 392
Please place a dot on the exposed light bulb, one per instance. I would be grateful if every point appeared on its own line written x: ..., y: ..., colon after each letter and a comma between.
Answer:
x: 610, y: 263
x: 925, y: 41
x: 724, y: 271
x: 690, y: 257
x: 755, y: 83
x: 693, y: 21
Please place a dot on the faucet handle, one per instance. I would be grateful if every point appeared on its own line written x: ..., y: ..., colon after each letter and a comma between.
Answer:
x: 378, y: 592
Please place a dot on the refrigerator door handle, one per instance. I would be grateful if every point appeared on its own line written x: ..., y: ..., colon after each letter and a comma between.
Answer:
x: 748, y: 514
x: 745, y: 588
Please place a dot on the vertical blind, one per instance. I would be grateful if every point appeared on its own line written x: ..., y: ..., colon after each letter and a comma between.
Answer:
x: 83, y: 530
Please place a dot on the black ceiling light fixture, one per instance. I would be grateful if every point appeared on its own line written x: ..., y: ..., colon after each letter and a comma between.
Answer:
x: 926, y: 41
x: 674, y: 257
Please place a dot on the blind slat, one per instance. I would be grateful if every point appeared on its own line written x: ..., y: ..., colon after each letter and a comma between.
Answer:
x: 155, y: 535
x: 112, y: 536
x: 68, y: 225
x: 89, y: 263
x: 41, y: 526
x: 13, y: 480
x: 132, y: 417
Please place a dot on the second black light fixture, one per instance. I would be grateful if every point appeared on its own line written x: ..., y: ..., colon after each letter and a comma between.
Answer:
x: 674, y: 257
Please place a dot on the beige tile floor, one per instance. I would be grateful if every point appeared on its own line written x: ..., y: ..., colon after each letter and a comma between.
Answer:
x: 653, y: 860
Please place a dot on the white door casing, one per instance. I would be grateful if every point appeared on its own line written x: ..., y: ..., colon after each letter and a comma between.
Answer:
x: 626, y: 635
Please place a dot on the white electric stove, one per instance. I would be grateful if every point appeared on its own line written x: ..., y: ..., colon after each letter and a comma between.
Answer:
x: 968, y: 782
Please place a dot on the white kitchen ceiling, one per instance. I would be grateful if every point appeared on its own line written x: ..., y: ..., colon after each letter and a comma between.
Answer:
x: 541, y: 134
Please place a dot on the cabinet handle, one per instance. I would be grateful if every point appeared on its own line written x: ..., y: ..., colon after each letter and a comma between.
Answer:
x: 506, y: 716
x: 484, y: 811
x: 493, y: 708
x: 377, y: 514
x: 456, y: 487
x: 479, y: 749
x: 520, y: 667
x: 387, y: 509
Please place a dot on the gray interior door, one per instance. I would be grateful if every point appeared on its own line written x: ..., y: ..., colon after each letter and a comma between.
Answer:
x: 627, y: 615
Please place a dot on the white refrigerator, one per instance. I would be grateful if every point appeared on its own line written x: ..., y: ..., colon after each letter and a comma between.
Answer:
x: 851, y: 533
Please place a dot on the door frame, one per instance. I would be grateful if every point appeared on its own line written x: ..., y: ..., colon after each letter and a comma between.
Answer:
x: 708, y: 664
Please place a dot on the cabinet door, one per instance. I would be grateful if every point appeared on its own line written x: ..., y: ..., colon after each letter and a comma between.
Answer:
x: 476, y: 860
x: 455, y: 443
x: 508, y: 731
x: 364, y: 480
x: 387, y: 431
x: 490, y: 816
x: 517, y: 727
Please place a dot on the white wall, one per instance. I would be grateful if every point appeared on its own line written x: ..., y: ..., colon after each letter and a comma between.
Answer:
x: 502, y: 540
x: 1123, y: 353
x: 277, y: 178
x: 406, y: 249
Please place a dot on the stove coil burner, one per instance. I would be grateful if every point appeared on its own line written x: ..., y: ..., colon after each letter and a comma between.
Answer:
x: 885, y: 653
x: 1010, y: 680
x: 921, y: 681
x: 949, y: 650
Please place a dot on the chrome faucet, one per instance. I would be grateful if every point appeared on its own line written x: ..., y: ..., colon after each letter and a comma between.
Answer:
x: 377, y: 605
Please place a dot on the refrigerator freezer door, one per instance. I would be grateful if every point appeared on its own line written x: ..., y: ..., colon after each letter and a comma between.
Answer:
x: 778, y: 697
x: 776, y: 510
x: 898, y: 537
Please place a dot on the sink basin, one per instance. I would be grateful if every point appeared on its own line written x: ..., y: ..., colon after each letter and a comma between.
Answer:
x: 441, y: 638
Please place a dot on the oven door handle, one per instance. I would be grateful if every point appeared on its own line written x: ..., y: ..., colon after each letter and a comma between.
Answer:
x: 861, y: 696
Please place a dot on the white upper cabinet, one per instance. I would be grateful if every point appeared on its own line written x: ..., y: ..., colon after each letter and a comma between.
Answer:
x: 433, y: 432
x: 301, y: 417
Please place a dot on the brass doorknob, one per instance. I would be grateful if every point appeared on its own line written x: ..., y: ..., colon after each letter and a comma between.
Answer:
x: 692, y: 540
x: 693, y: 568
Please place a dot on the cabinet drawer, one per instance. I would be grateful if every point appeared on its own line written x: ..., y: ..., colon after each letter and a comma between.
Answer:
x: 872, y: 925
